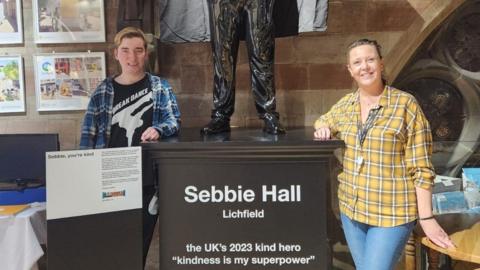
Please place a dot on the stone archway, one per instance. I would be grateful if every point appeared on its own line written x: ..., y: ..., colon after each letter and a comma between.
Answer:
x: 419, y: 30
x: 441, y: 69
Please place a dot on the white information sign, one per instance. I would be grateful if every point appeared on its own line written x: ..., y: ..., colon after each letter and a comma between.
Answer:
x: 87, y: 182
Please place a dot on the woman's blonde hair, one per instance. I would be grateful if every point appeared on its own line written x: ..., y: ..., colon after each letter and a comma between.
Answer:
x: 129, y: 32
x: 365, y: 41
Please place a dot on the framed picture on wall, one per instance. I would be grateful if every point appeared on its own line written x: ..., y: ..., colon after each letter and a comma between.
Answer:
x: 68, y: 21
x: 11, y: 31
x: 12, y: 91
x: 65, y: 81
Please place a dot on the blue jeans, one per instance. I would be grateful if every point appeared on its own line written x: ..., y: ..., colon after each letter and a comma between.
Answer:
x: 375, y: 248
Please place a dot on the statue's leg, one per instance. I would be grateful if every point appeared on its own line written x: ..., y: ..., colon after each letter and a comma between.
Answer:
x: 260, y: 39
x: 224, y: 25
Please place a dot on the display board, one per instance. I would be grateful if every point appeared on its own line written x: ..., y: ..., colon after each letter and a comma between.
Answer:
x: 12, y: 89
x: 72, y: 21
x: 94, y: 209
x: 11, y: 29
x: 65, y: 81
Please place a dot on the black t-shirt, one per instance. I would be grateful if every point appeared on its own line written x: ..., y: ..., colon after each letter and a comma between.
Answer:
x: 132, y: 112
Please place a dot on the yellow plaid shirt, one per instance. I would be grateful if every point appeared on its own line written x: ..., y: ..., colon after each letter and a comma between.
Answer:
x: 377, y: 185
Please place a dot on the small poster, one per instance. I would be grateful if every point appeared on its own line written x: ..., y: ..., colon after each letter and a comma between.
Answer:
x: 11, y: 31
x: 12, y: 92
x: 87, y: 182
x: 66, y: 81
x: 68, y: 21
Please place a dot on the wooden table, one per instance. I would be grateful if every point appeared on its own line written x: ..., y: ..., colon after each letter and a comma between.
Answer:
x: 463, y: 229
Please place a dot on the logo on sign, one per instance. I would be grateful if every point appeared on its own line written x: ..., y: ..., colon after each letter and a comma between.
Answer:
x: 112, y: 194
x: 47, y: 67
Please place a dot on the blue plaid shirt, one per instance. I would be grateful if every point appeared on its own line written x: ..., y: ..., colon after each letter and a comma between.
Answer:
x: 98, y: 117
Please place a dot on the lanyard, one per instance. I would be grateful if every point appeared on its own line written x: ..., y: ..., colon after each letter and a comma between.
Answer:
x: 363, y: 129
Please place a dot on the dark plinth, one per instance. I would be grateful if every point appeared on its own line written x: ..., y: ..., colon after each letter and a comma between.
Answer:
x: 288, y: 175
x: 110, y: 241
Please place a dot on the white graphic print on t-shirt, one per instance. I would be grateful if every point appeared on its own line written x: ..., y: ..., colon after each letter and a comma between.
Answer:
x: 129, y: 118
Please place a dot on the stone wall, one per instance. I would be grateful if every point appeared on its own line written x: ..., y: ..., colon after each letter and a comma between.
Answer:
x: 66, y: 124
x: 310, y: 68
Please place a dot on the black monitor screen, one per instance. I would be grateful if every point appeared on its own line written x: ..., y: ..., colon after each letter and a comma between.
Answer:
x: 23, y: 155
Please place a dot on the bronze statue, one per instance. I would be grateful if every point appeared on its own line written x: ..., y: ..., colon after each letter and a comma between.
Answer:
x: 226, y: 18
x: 229, y: 21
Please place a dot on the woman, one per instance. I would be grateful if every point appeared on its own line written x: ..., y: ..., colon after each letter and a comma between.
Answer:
x: 387, y: 173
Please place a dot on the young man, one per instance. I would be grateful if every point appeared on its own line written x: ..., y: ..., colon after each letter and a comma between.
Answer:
x: 131, y: 108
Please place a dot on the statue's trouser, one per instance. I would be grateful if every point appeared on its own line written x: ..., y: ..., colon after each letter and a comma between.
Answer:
x: 226, y: 18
